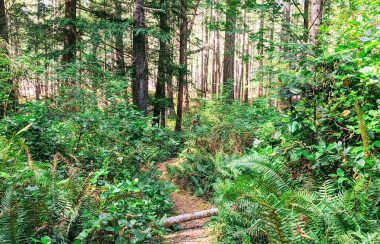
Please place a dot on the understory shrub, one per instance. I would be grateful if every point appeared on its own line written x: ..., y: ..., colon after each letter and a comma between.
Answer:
x: 223, y: 130
x: 77, y: 177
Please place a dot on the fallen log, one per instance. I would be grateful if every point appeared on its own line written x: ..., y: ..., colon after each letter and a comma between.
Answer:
x: 191, y: 216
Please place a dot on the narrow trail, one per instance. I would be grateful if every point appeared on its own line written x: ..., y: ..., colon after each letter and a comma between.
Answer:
x: 191, y: 231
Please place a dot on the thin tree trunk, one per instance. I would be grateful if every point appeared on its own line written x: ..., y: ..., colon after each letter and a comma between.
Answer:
x: 119, y: 44
x: 186, y: 85
x: 11, y: 102
x: 162, y: 70
x: 241, y: 80
x: 217, y: 61
x: 69, y: 32
x: 261, y: 55
x: 206, y: 59
x: 183, y: 29
x: 140, y: 83
x: 229, y: 51
x: 246, y: 87
x: 213, y: 67
x: 170, y: 93
x: 316, y: 18
x: 306, y: 21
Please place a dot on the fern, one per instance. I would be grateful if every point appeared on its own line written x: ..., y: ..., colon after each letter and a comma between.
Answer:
x: 258, y: 203
x: 12, y: 220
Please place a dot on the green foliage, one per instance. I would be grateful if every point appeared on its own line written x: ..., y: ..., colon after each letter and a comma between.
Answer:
x: 77, y: 176
x: 258, y: 205
x: 335, y: 120
x: 223, y: 129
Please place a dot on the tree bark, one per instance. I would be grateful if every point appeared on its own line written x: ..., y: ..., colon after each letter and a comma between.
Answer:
x: 191, y: 216
x: 3, y: 23
x: 261, y: 55
x: 216, y: 57
x: 183, y: 29
x: 316, y: 18
x: 119, y: 44
x: 69, y: 32
x: 140, y: 83
x: 159, y: 110
x: 11, y: 102
x: 229, y: 51
x: 246, y: 86
x: 306, y: 21
x: 170, y: 92
x: 205, y: 65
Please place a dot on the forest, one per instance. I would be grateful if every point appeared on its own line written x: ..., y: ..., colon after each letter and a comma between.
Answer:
x: 189, y: 121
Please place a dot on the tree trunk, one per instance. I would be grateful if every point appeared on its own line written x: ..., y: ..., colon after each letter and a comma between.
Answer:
x: 159, y: 110
x: 119, y: 44
x: 306, y: 21
x: 241, y: 79
x: 216, y: 59
x: 246, y: 86
x: 69, y: 32
x: 170, y: 93
x: 316, y: 18
x: 205, y: 66
x: 183, y: 29
x: 140, y: 83
x: 11, y: 102
x: 191, y: 216
x: 229, y: 51
x: 261, y: 55
x: 3, y: 23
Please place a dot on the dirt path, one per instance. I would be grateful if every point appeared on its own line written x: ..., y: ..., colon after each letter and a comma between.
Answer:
x: 192, y: 231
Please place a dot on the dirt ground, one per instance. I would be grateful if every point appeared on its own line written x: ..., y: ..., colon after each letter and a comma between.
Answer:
x: 184, y: 202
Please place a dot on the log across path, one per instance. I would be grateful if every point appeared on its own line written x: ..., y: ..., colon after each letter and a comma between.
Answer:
x: 193, y: 214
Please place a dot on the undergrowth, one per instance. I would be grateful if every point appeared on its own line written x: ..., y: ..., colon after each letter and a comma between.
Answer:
x: 76, y: 178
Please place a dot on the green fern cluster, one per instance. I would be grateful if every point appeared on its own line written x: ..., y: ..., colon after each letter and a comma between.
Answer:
x: 36, y: 203
x: 258, y: 206
x: 59, y: 202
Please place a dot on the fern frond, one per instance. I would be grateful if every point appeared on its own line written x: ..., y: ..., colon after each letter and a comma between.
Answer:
x: 261, y: 167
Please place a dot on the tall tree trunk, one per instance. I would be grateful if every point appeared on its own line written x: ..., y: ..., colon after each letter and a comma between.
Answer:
x: 205, y: 65
x: 119, y: 44
x: 316, y: 18
x: 213, y: 69
x: 183, y: 29
x: 140, y: 82
x: 306, y: 21
x: 69, y: 32
x: 162, y: 70
x: 170, y: 92
x: 3, y: 24
x: 11, y: 102
x: 229, y: 51
x: 241, y: 80
x: 217, y: 63
x: 246, y: 86
x: 216, y: 59
x: 261, y: 55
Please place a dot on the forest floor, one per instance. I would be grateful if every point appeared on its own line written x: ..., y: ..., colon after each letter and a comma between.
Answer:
x: 184, y: 202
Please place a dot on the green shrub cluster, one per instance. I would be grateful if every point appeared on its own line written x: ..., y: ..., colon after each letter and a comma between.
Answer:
x: 77, y: 177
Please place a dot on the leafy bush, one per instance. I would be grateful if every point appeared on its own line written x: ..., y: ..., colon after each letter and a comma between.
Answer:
x: 77, y: 177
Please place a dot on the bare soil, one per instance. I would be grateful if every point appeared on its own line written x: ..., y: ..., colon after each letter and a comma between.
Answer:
x: 184, y: 202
